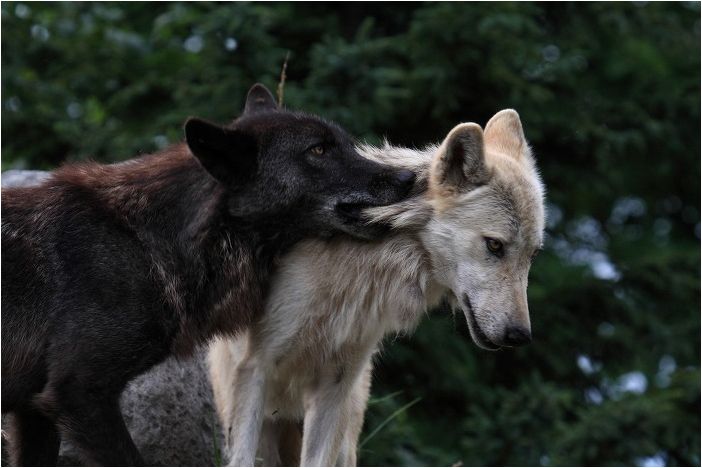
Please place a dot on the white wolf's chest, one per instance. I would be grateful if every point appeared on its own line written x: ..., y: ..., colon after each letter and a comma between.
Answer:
x: 319, y: 316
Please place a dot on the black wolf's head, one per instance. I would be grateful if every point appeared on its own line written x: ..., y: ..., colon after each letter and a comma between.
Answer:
x: 294, y: 168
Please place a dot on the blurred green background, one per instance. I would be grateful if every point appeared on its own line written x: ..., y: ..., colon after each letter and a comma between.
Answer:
x: 609, y: 94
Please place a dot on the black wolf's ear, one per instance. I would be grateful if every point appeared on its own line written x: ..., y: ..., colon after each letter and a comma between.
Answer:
x: 460, y: 163
x: 258, y: 100
x: 228, y: 155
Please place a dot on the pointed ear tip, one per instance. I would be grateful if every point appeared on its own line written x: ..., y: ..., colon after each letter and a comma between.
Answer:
x: 259, y: 88
x: 469, y: 128
x: 190, y: 122
x: 509, y: 114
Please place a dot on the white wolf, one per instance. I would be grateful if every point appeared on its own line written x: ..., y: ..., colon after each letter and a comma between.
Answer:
x: 470, y: 233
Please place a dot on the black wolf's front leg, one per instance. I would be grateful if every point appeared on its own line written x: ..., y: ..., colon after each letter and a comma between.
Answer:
x: 97, y: 430
x: 33, y: 439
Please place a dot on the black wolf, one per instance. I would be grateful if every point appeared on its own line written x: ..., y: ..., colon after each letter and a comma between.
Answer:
x: 108, y: 269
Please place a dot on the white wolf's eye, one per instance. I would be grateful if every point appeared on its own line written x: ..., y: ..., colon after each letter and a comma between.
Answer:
x: 494, y: 246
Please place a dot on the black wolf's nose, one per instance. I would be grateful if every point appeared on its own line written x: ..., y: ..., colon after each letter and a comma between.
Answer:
x: 404, y: 178
x: 517, y: 336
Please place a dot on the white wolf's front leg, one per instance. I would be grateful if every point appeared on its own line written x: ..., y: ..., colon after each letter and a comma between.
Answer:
x: 328, y: 411
x: 356, y: 403
x: 247, y: 412
x: 322, y: 429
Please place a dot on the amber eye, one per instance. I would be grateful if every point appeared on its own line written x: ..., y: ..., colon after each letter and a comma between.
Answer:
x: 494, y: 246
x: 317, y: 150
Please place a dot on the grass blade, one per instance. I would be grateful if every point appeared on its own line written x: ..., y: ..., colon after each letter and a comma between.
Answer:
x: 374, y: 401
x: 396, y: 413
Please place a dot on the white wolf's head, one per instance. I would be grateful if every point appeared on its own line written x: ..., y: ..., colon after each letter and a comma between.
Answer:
x: 487, y: 226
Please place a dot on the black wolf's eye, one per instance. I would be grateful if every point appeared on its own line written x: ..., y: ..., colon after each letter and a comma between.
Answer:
x: 494, y: 246
x: 317, y: 150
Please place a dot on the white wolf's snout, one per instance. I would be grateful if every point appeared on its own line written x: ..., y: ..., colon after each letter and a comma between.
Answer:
x: 495, y: 329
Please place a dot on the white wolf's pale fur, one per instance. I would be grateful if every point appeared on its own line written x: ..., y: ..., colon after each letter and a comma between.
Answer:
x: 331, y: 302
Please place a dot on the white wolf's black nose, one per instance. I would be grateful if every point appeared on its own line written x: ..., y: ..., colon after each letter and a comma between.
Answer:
x: 517, y: 336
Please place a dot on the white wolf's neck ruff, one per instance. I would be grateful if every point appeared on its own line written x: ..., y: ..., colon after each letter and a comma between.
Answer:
x: 414, y: 212
x: 394, y: 282
x: 405, y: 251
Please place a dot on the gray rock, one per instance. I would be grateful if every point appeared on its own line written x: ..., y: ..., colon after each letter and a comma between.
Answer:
x: 17, y: 178
x: 169, y: 410
x: 170, y: 413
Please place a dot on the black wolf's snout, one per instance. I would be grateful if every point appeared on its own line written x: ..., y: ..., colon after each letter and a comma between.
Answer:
x: 404, y: 178
x: 517, y: 336
x: 393, y: 185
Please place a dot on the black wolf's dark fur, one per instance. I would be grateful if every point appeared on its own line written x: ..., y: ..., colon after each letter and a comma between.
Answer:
x: 108, y: 269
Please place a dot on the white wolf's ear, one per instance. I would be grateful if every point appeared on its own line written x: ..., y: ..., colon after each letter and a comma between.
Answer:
x: 504, y: 132
x: 460, y: 163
